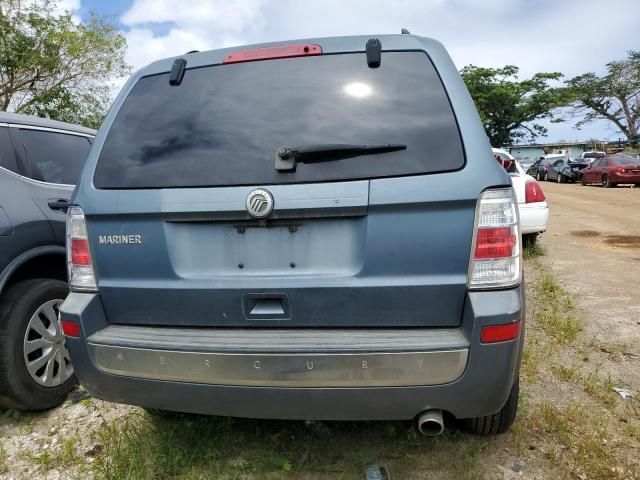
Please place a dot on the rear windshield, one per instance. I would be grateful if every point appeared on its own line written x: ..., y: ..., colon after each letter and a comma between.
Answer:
x: 223, y: 124
x: 623, y: 159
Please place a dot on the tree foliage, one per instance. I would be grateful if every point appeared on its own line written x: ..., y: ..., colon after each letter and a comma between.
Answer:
x: 508, y: 107
x: 614, y: 96
x: 54, y: 66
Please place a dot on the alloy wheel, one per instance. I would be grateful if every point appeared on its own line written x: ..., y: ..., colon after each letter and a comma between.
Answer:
x: 45, y: 352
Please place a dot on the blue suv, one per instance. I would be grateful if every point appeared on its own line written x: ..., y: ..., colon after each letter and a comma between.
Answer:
x: 313, y: 229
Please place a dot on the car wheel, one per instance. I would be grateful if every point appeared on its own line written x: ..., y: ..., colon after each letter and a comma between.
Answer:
x: 560, y: 179
x: 546, y: 176
x: 529, y: 239
x: 538, y: 176
x: 498, y: 422
x: 35, y: 368
x: 606, y: 182
x: 583, y: 181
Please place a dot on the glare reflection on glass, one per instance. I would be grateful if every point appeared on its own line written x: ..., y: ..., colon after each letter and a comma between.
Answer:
x: 358, y: 89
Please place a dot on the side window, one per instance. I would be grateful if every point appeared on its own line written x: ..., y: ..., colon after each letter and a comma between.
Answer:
x: 51, y: 156
x: 7, y: 157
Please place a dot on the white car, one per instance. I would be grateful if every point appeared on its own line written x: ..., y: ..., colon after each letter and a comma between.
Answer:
x: 534, y: 211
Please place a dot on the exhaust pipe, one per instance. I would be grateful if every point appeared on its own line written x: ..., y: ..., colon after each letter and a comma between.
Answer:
x: 430, y: 423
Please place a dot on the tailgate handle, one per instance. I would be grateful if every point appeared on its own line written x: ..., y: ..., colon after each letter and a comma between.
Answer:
x: 268, y: 306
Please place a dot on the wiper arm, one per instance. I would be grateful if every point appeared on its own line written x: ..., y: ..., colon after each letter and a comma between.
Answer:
x: 286, y: 158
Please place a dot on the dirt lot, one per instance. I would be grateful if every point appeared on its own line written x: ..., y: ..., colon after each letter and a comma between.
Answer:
x: 583, y: 339
x: 593, y: 246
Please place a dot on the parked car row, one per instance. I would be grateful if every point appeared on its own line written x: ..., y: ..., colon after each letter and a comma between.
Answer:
x: 608, y: 171
x: 558, y: 169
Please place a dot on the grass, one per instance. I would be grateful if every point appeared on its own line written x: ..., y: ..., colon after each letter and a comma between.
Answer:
x: 565, y: 373
x: 554, y: 312
x: 190, y: 447
x: 4, y: 468
x: 583, y: 438
x: 587, y: 446
x: 64, y: 455
x: 533, y: 250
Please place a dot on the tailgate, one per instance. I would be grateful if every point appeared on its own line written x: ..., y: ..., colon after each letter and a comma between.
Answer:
x: 330, y: 255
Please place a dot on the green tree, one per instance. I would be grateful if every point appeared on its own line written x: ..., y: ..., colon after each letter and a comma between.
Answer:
x: 508, y: 107
x: 55, y: 67
x: 614, y: 97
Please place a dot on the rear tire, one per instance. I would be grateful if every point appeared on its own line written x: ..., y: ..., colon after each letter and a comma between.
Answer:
x: 583, y: 181
x: 606, y: 182
x: 499, y: 422
x: 546, y: 176
x: 560, y: 178
x: 538, y: 176
x: 529, y: 239
x: 18, y: 308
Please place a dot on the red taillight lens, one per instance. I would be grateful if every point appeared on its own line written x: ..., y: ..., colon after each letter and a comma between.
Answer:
x: 495, y: 258
x: 500, y: 333
x: 70, y: 329
x: 532, y: 192
x: 80, y: 252
x: 622, y: 170
x: 270, y: 53
x: 80, y: 267
x: 498, y: 242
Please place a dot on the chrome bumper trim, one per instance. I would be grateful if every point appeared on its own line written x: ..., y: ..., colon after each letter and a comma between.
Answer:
x: 311, y: 370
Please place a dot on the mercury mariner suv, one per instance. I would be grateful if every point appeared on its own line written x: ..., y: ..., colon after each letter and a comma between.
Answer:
x: 314, y: 229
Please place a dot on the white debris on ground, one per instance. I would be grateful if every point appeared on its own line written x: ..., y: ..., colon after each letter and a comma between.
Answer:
x: 36, y: 444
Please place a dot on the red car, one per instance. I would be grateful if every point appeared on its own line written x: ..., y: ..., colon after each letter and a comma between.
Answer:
x: 612, y: 170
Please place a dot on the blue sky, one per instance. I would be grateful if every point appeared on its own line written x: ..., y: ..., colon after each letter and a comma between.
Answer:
x: 570, y: 36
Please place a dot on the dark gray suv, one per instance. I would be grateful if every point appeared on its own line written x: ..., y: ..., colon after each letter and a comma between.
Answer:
x: 312, y: 229
x: 40, y: 161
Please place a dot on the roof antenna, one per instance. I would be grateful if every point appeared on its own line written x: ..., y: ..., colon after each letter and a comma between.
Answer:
x: 404, y: 31
x: 374, y: 55
x: 177, y: 72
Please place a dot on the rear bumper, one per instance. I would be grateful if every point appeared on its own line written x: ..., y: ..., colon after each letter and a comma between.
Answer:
x: 624, y: 177
x: 533, y: 217
x: 298, y: 374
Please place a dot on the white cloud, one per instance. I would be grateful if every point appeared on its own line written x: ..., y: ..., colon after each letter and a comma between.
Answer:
x: 72, y: 6
x: 212, y: 15
x: 543, y: 35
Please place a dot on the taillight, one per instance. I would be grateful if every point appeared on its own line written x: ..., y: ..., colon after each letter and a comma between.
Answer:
x: 79, y: 263
x: 622, y: 170
x: 495, y: 259
x: 532, y: 192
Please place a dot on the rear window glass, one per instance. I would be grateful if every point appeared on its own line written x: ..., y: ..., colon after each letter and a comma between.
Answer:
x: 224, y: 123
x: 623, y: 160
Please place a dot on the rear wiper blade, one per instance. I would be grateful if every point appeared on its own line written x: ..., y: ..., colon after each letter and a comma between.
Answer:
x: 287, y: 157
